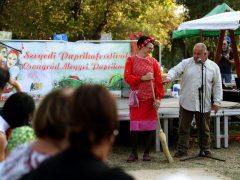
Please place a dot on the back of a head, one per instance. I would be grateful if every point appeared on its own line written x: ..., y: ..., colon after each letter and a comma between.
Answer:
x: 93, y: 117
x: 18, y: 109
x: 4, y: 77
x: 50, y: 117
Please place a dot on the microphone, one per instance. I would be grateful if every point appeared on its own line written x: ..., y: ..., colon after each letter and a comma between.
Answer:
x: 200, y: 61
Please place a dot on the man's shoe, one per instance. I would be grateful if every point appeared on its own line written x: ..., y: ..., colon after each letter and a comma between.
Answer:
x: 201, y: 153
x: 180, y: 154
x: 205, y: 153
x: 208, y: 153
x: 146, y: 157
x: 132, y: 158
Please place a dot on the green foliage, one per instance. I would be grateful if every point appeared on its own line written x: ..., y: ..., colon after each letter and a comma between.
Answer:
x: 198, y: 9
x: 38, y: 19
x: 88, y: 19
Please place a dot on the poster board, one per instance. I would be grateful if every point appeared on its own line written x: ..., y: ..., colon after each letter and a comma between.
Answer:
x: 45, y: 65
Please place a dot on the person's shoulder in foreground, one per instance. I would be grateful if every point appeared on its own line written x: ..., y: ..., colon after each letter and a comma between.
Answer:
x: 85, y: 166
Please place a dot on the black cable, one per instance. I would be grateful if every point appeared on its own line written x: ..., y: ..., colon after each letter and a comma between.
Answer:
x: 11, y: 47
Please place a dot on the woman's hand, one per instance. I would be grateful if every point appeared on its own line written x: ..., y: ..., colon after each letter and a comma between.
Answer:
x: 156, y: 104
x: 148, y: 76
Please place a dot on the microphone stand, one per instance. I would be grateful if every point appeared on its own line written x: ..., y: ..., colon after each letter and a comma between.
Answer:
x: 201, y: 102
x: 201, y: 108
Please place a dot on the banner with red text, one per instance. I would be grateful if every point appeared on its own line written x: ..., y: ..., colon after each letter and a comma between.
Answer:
x: 44, y: 65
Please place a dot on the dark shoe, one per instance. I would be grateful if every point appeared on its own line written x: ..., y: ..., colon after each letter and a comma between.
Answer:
x: 208, y: 153
x: 146, y: 157
x: 180, y: 154
x: 132, y: 158
x: 201, y: 153
x: 205, y: 153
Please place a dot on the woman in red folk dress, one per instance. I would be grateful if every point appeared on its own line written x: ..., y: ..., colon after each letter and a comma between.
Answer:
x: 140, y: 70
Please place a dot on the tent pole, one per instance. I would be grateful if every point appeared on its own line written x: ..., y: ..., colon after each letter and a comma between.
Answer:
x: 219, y: 46
x: 201, y: 36
x: 235, y: 52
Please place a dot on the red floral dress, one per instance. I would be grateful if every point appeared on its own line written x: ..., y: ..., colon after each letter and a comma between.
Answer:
x: 143, y: 117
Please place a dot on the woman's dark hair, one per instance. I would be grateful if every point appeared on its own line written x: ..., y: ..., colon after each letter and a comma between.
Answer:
x: 93, y: 117
x: 4, y: 77
x: 50, y: 117
x: 144, y: 38
x: 18, y: 108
